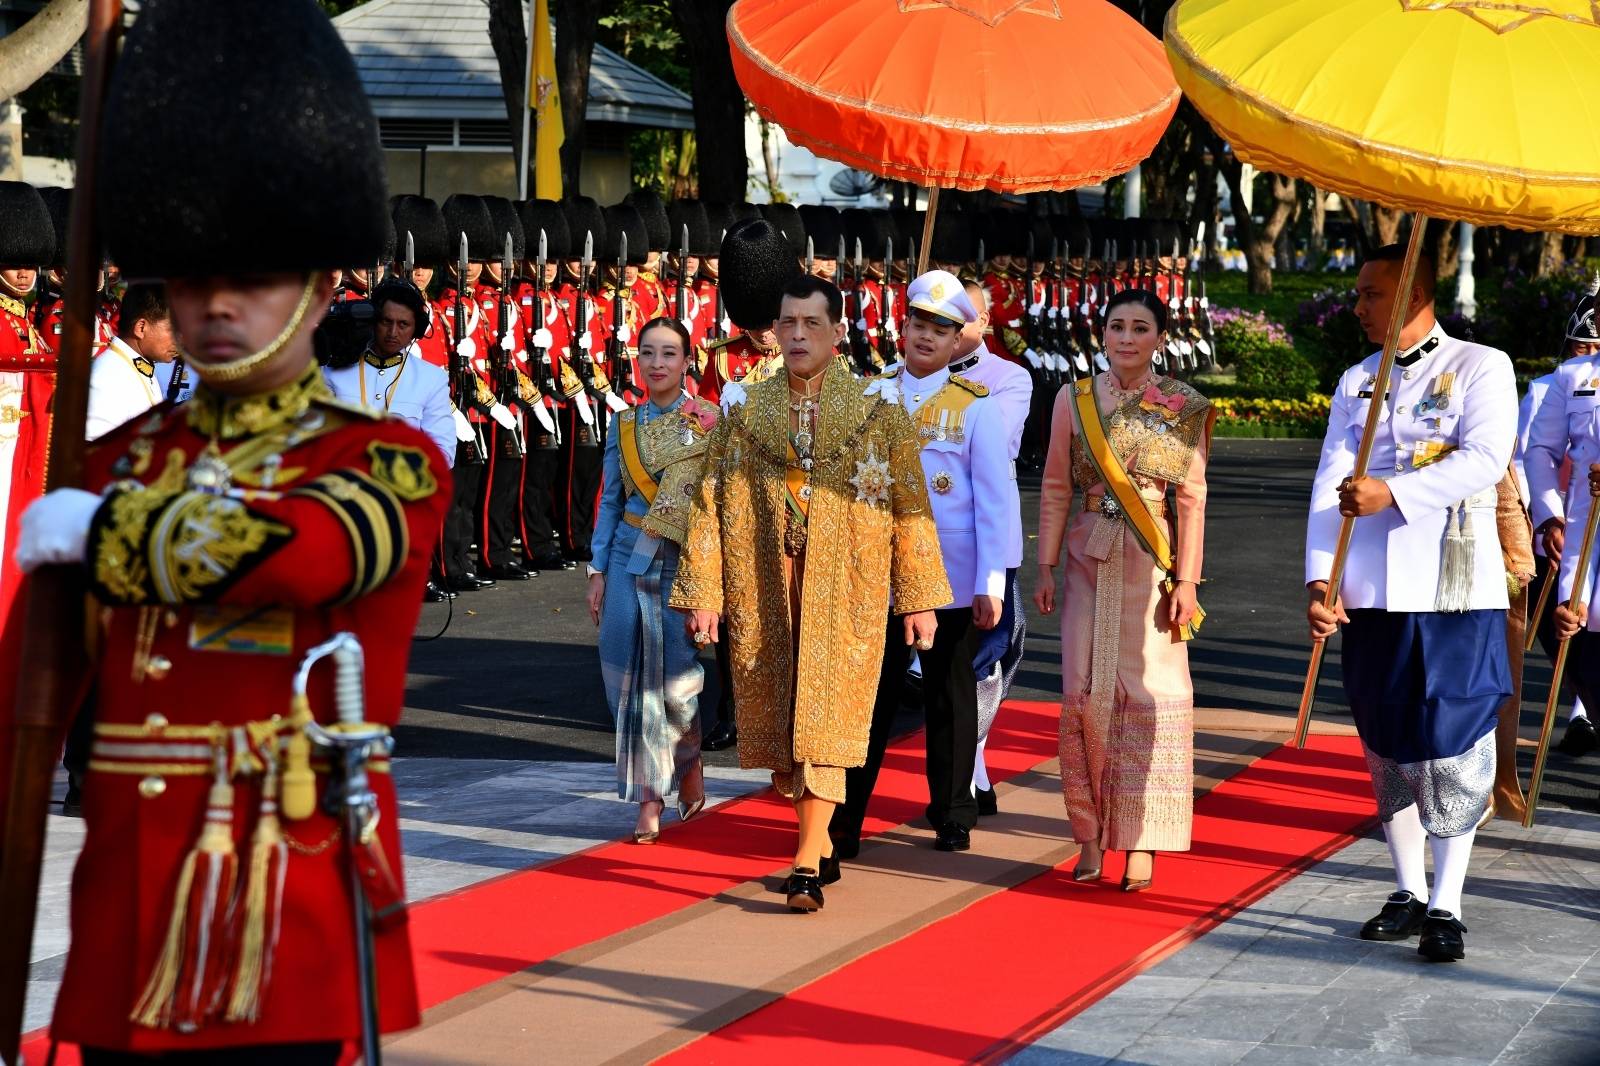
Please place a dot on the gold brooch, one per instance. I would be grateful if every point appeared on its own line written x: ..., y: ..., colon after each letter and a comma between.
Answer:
x: 942, y: 482
x: 872, y: 480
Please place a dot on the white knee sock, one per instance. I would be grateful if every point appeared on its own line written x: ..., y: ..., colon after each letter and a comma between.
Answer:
x: 1578, y: 711
x: 1405, y: 836
x: 980, y: 770
x: 1450, y: 858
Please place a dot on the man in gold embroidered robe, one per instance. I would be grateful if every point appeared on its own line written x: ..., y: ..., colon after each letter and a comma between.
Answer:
x: 811, y: 520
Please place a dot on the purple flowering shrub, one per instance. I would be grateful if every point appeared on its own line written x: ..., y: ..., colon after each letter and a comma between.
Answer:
x: 1262, y: 354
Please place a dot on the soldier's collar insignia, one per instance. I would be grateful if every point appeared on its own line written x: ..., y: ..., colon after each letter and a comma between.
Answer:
x: 11, y: 305
x: 384, y: 363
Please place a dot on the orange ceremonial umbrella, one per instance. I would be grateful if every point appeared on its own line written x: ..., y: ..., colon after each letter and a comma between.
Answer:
x: 1009, y: 95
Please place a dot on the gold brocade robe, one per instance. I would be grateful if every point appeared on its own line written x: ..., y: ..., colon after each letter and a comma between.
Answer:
x: 862, y: 547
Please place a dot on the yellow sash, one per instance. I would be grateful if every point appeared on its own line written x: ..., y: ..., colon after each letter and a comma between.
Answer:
x: 628, y: 446
x: 794, y: 483
x: 1147, y: 529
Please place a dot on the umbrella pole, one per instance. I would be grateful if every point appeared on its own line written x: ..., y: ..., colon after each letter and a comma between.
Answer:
x: 1380, y: 395
x: 1579, y: 580
x: 1537, y: 616
x: 927, y: 230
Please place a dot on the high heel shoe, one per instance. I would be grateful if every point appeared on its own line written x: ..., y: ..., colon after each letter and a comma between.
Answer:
x: 805, y: 891
x: 648, y: 836
x: 1139, y: 885
x: 1083, y: 873
x: 687, y: 811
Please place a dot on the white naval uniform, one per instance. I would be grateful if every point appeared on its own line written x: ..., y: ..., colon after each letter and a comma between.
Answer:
x: 414, y: 391
x: 118, y: 388
x: 1567, y: 423
x: 971, y: 491
x: 1478, y: 422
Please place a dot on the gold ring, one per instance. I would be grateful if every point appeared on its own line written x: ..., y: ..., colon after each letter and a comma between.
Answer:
x: 924, y: 645
x: 701, y: 637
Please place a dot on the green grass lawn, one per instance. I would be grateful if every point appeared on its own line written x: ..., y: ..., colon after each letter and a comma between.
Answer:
x: 1289, y: 289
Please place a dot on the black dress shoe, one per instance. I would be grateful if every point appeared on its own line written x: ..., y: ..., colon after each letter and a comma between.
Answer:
x: 1441, y: 938
x: 722, y: 735
x: 804, y: 889
x: 988, y: 802
x: 828, y: 870
x: 432, y: 593
x: 552, y: 560
x: 511, y: 572
x: 1400, y: 919
x: 953, y: 837
x: 468, y: 583
x: 72, y: 806
x: 1579, y: 739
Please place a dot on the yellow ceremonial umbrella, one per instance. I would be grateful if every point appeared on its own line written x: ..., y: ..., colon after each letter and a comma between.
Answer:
x: 1482, y: 110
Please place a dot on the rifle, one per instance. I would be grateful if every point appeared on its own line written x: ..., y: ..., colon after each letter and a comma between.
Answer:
x: 680, y: 305
x: 501, y: 368
x: 1108, y: 281
x: 719, y: 331
x: 51, y: 619
x: 1030, y: 320
x: 1203, y: 317
x: 544, y: 377
x: 1178, y: 346
x: 616, y: 347
x: 582, y: 358
x: 463, y: 380
x: 1049, y: 339
x: 891, y: 331
x: 861, y: 345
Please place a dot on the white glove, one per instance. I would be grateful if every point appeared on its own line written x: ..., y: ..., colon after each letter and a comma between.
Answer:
x: 542, y: 414
x: 614, y: 402
x: 1033, y: 358
x: 480, y: 365
x: 1035, y: 308
x: 688, y: 324
x: 625, y: 334
x: 501, y: 414
x: 543, y: 339
x: 861, y: 324
x: 463, y: 427
x: 55, y: 528
x: 585, y: 409
x: 1054, y: 312
x: 585, y: 341
x: 508, y: 342
x: 466, y: 346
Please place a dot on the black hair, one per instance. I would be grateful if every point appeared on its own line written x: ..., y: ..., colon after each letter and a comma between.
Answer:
x: 400, y: 291
x: 808, y: 285
x: 1427, y: 269
x: 144, y: 300
x: 676, y: 327
x: 1145, y: 299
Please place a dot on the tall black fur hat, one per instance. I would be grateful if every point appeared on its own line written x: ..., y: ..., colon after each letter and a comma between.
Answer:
x: 27, y: 238
x: 503, y: 213
x: 873, y: 227
x: 422, y: 218
x: 238, y: 136
x: 58, y: 202
x: 824, y: 226
x: 1005, y: 232
x: 654, y: 215
x: 584, y: 218
x: 690, y: 214
x: 620, y: 219
x: 756, y: 263
x: 467, y: 213
x: 719, y: 220
x: 546, y: 216
x: 955, y: 239
x: 791, y: 223
x: 744, y: 211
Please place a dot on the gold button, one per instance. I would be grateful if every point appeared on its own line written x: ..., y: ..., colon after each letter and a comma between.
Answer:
x: 152, y: 786
x: 155, y: 720
x: 157, y: 668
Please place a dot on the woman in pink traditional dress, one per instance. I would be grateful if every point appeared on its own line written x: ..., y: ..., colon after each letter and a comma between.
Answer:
x: 1127, y: 720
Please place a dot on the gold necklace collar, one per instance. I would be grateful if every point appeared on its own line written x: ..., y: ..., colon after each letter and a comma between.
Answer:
x: 223, y: 417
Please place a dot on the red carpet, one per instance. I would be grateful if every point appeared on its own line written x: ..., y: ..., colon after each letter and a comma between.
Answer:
x: 1051, y: 947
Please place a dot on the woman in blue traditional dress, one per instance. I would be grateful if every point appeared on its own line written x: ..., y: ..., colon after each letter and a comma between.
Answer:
x: 652, y: 674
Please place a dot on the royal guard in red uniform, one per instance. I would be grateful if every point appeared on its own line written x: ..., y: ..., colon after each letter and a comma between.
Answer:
x: 650, y: 287
x: 699, y: 297
x: 27, y: 366
x: 626, y: 291
x: 222, y: 540
x: 466, y: 215
x: 49, y: 309
x: 548, y: 384
x: 584, y: 419
x: 420, y: 218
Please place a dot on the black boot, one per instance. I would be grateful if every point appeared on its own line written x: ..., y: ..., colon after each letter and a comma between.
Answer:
x: 1579, y: 739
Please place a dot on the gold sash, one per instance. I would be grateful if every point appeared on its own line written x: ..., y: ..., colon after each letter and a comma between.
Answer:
x: 1146, y: 526
x: 628, y: 446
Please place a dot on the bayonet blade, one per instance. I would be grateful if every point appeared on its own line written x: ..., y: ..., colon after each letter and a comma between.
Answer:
x: 683, y: 244
x: 840, y: 257
x: 811, y: 256
x: 588, y: 250
x: 505, y: 260
x: 858, y: 255
x: 461, y: 263
x: 544, y: 252
x: 411, y: 255
x: 622, y: 256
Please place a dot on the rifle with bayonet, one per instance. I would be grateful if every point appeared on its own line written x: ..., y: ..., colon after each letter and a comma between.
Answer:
x: 1178, y: 347
x: 463, y: 379
x: 680, y: 298
x: 811, y: 257
x: 1030, y: 322
x: 502, y: 371
x: 861, y: 345
x: 1049, y: 338
x: 1108, y: 283
x: 616, y: 346
x: 543, y: 376
x: 890, y: 330
x: 1202, y: 315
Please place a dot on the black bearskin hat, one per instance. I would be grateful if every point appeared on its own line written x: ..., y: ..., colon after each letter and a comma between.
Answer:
x: 824, y: 226
x: 584, y: 219
x: 468, y: 214
x: 58, y: 202
x: 620, y: 219
x: 27, y: 239
x: 420, y: 217
x: 953, y: 238
x: 756, y: 263
x: 719, y: 220
x: 691, y: 215
x: 786, y: 218
x: 238, y: 136
x: 503, y: 213
x: 547, y: 217
x: 654, y: 215
x: 744, y: 211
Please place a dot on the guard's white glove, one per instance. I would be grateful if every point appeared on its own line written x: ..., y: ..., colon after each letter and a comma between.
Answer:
x: 688, y: 324
x: 508, y: 342
x: 615, y: 403
x: 624, y: 334
x: 543, y: 339
x: 1033, y: 359
x: 585, y: 341
x: 502, y: 414
x: 463, y: 427
x: 1035, y: 307
x: 467, y: 346
x: 55, y: 528
x: 1053, y: 313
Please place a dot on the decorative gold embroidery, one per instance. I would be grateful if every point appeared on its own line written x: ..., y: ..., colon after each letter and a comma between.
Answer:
x: 202, y: 540
x: 403, y: 469
x: 1152, y: 456
x: 119, y: 560
x: 219, y: 416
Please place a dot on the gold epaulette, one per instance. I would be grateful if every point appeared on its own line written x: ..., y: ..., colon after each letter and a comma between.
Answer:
x: 890, y: 371
x: 977, y: 388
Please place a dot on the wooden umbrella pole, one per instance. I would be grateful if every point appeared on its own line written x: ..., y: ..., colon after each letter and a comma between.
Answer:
x: 1539, y: 608
x: 1579, y: 580
x: 53, y: 623
x: 1369, y: 433
x: 927, y: 230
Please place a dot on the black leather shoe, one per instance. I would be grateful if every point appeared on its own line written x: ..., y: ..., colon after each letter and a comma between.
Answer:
x: 1441, y: 938
x: 952, y: 837
x: 1579, y: 739
x: 988, y: 802
x: 828, y: 870
x: 468, y: 583
x: 432, y: 593
x: 72, y: 805
x: 511, y: 572
x: 722, y: 735
x: 805, y: 890
x: 1400, y: 919
x: 552, y: 560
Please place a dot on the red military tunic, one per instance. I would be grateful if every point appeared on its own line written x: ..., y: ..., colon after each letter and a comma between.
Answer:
x: 636, y: 302
x: 210, y: 602
x: 480, y: 330
x: 434, y: 345
x: 54, y: 314
x: 27, y: 386
x: 650, y: 295
x: 735, y: 359
x: 1008, y: 311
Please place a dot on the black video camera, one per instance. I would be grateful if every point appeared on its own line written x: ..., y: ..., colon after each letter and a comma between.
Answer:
x: 345, y: 332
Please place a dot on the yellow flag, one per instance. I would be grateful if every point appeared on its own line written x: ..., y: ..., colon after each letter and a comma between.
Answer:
x: 546, y: 104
